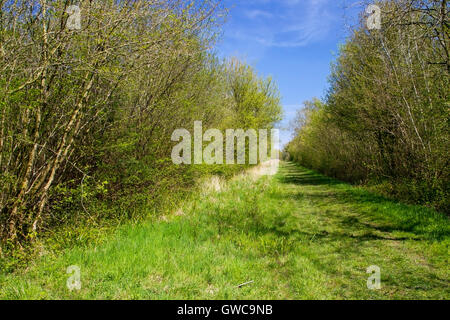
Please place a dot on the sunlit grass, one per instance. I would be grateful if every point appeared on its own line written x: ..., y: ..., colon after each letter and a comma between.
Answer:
x: 297, y: 235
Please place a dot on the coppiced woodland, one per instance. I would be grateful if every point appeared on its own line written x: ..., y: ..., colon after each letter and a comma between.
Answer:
x: 86, y: 115
x: 385, y: 119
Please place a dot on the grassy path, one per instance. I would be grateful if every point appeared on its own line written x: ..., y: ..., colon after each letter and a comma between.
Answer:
x: 297, y: 235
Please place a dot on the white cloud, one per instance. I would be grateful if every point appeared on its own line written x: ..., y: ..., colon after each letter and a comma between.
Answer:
x: 284, y: 23
x: 252, y: 14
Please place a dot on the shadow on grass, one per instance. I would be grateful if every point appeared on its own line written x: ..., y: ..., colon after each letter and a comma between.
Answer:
x: 385, y: 215
x: 293, y: 174
x: 337, y: 228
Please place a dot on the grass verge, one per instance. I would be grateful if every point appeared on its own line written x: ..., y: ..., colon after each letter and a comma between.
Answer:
x: 297, y: 235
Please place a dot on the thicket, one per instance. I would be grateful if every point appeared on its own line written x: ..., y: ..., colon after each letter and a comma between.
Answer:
x: 385, y: 119
x: 87, y: 115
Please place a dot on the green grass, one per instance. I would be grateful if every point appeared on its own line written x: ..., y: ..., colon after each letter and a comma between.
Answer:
x: 298, y: 235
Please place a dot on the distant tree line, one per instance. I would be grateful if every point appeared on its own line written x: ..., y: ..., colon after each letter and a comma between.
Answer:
x: 385, y: 119
x: 88, y: 114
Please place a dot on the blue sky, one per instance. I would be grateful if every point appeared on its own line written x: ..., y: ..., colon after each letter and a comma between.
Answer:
x: 294, y: 41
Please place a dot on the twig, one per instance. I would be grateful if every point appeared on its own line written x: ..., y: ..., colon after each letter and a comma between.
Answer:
x: 244, y: 284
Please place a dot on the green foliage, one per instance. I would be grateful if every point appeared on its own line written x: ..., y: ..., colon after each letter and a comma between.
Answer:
x: 385, y: 119
x: 87, y: 115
